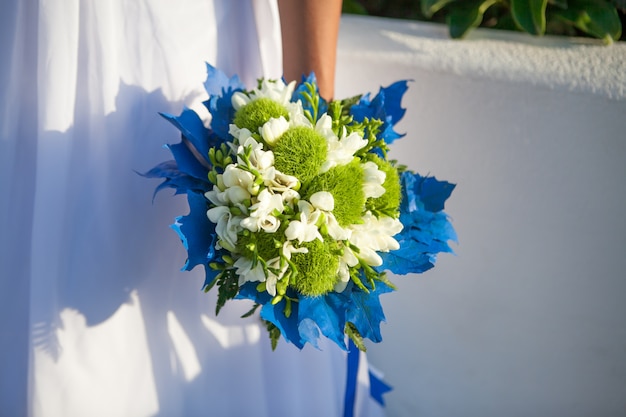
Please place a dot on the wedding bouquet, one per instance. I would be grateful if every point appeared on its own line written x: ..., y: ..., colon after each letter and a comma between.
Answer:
x: 295, y: 205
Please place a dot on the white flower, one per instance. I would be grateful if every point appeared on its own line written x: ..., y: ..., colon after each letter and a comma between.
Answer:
x: 334, y: 230
x: 279, y: 264
x: 375, y: 235
x: 290, y: 197
x: 324, y: 126
x: 227, y: 226
x: 344, y: 277
x: 341, y: 151
x: 275, y: 90
x: 270, y: 284
x: 275, y: 264
x: 259, y: 159
x: 296, y: 115
x: 273, y: 129
x: 241, y: 134
x: 345, y: 262
x: 248, y: 273
x: 348, y: 257
x: 278, y: 182
x: 261, y: 213
x: 236, y: 194
x: 257, y: 274
x: 305, y: 229
x: 323, y: 200
x: 239, y: 99
x: 233, y: 196
x: 233, y: 187
x: 373, y: 180
x: 239, y: 181
x: 289, y: 249
x: 216, y: 196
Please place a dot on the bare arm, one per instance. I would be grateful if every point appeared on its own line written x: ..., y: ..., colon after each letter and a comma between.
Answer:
x: 309, y: 30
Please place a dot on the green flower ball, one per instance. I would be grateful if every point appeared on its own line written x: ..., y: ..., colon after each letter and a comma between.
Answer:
x: 255, y: 114
x: 345, y: 183
x: 318, y: 268
x: 300, y: 152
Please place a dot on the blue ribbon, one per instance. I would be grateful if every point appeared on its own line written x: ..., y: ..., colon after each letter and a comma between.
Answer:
x: 352, y: 371
x: 377, y: 386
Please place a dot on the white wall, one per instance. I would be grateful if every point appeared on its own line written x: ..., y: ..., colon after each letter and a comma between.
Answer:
x: 529, y: 317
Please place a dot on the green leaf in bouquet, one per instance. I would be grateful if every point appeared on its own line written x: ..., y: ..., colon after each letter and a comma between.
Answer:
x: 597, y: 18
x: 355, y: 336
x: 339, y: 111
x: 274, y: 333
x: 250, y: 312
x: 467, y: 15
x: 530, y: 15
x: 228, y: 286
x: 347, y: 103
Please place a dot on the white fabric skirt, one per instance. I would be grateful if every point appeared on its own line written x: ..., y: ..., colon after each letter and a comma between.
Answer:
x: 96, y: 317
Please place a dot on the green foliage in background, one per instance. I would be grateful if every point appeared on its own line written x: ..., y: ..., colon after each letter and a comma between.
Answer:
x: 601, y: 19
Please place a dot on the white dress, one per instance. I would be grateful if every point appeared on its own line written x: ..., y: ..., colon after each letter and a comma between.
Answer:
x: 96, y: 317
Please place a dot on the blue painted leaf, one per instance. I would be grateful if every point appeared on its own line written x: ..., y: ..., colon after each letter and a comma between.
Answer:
x: 288, y: 326
x: 309, y: 332
x: 385, y: 106
x: 188, y: 163
x: 427, y: 229
x: 366, y: 312
x: 427, y: 190
x: 197, y: 233
x: 220, y: 89
x: 367, y: 108
x: 389, y: 135
x: 223, y: 113
x: 192, y: 128
x: 328, y: 312
x: 413, y: 257
x: 274, y: 313
x: 393, y: 100
x: 248, y: 292
x: 174, y: 178
x: 217, y: 81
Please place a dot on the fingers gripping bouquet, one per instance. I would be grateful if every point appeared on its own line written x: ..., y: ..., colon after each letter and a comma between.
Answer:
x: 294, y: 205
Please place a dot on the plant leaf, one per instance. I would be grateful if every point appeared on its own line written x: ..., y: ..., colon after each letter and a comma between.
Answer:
x: 597, y: 18
x: 430, y: 7
x: 353, y: 7
x: 562, y: 4
x: 530, y: 15
x: 466, y: 15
